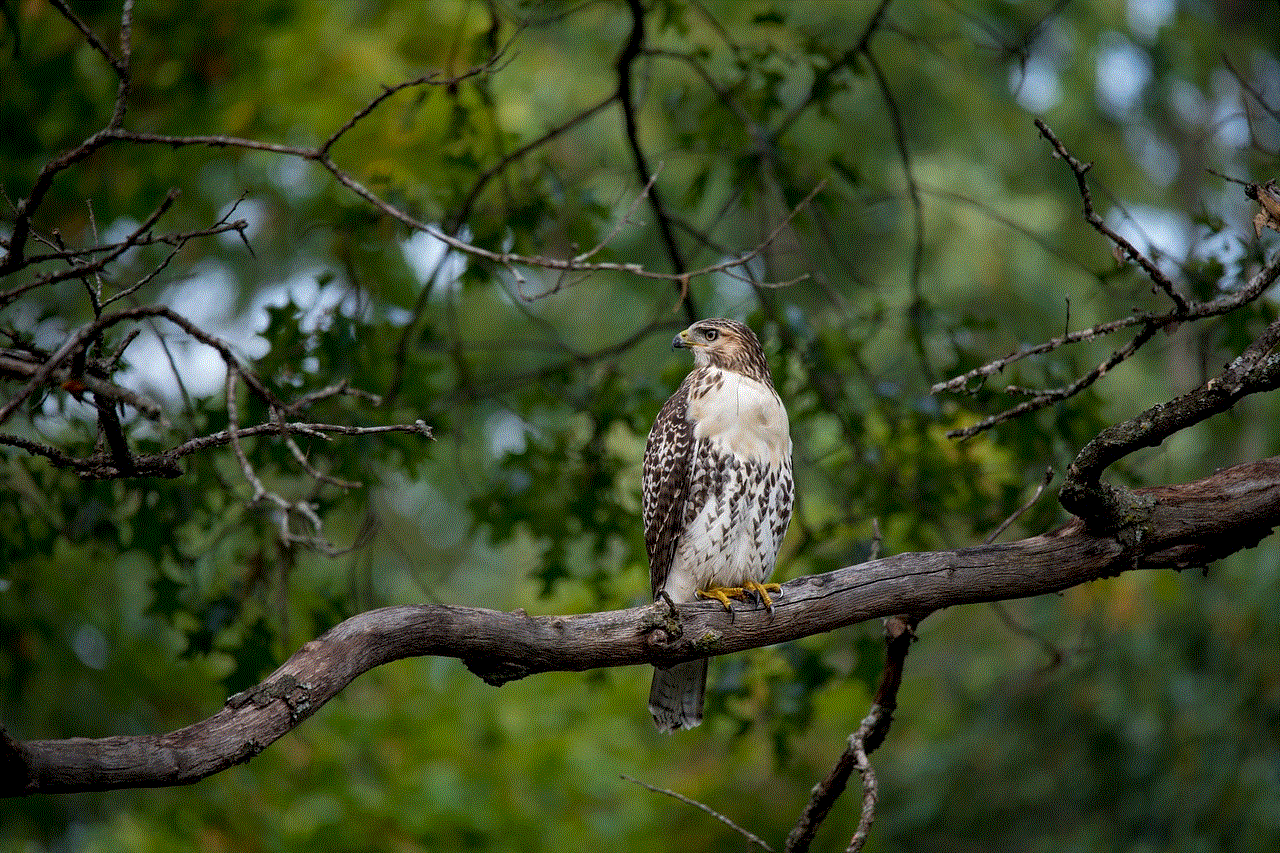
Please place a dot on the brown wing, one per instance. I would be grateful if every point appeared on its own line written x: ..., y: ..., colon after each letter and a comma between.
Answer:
x: 665, y: 483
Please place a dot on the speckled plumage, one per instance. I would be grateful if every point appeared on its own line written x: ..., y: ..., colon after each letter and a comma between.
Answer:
x: 717, y: 489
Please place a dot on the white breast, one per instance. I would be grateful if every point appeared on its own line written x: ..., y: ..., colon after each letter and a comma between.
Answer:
x: 743, y: 417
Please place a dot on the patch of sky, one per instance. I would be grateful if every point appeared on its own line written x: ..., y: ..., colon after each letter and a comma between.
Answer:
x: 1158, y: 158
x: 253, y: 211
x: 1146, y: 17
x: 507, y: 433
x: 1035, y: 84
x: 1166, y: 234
x: 118, y: 231
x: 733, y: 296
x: 1228, y: 123
x: 1122, y: 72
x: 431, y: 260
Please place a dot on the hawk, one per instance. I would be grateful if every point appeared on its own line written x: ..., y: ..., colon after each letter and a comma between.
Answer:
x: 717, y: 492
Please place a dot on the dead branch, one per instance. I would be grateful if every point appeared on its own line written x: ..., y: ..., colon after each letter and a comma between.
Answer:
x: 1043, y: 398
x: 899, y: 632
x: 1257, y: 96
x: 1186, y: 526
x: 165, y: 464
x: 17, y: 364
x: 961, y: 382
x: 1148, y: 322
x: 1108, y: 506
x: 1091, y: 216
x: 44, y: 369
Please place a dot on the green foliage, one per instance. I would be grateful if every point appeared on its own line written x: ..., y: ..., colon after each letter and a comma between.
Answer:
x: 138, y: 605
x: 567, y: 485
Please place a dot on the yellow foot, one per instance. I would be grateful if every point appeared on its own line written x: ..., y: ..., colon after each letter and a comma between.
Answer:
x: 763, y: 590
x: 722, y: 594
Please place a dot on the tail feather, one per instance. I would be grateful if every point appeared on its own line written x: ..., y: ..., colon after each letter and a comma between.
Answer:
x: 675, y: 698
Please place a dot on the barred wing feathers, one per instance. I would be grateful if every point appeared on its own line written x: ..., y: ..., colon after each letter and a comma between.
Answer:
x: 667, y: 460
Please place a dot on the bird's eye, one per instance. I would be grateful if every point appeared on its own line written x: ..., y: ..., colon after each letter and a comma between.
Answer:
x: 711, y: 334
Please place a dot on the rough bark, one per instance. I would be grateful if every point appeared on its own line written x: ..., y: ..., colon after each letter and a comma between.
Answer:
x: 1181, y: 526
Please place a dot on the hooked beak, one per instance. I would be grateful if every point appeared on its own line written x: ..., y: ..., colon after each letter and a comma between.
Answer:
x: 681, y: 341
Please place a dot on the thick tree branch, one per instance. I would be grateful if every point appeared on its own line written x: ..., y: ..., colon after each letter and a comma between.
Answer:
x: 1187, y: 525
x: 1108, y: 506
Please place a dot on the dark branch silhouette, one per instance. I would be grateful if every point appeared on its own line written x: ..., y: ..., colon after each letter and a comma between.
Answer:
x: 626, y: 97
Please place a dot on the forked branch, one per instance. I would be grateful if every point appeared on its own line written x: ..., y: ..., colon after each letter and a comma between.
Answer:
x: 1148, y: 322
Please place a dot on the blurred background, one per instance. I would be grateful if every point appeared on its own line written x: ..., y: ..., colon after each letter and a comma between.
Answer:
x: 1141, y: 713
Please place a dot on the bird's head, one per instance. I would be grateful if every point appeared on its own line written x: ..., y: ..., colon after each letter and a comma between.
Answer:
x: 726, y: 344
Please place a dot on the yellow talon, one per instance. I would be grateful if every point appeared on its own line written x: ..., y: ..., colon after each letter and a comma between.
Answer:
x: 763, y: 590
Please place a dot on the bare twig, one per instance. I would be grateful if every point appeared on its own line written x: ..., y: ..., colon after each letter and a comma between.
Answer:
x: 917, y: 209
x: 76, y: 342
x: 464, y: 210
x: 1248, y: 87
x: 1051, y: 396
x: 164, y: 464
x: 1055, y: 654
x: 172, y: 239
x: 179, y: 241
x: 301, y: 458
x: 1255, y: 287
x: 823, y: 78
x: 751, y: 837
x: 340, y: 389
x: 505, y: 259
x: 1018, y: 513
x: 624, y: 220
x: 110, y: 430
x: 1079, y: 169
x: 432, y: 77
x: 79, y: 269
x: 284, y: 509
x: 724, y: 95
x: 40, y: 369
x: 1007, y: 221
x: 233, y: 429
x: 1006, y: 618
x: 90, y: 36
x: 1149, y: 324
x: 124, y: 66
x: 13, y: 365
x: 870, y: 790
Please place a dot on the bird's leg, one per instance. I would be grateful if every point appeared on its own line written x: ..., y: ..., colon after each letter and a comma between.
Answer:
x: 662, y: 593
x: 762, y: 591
